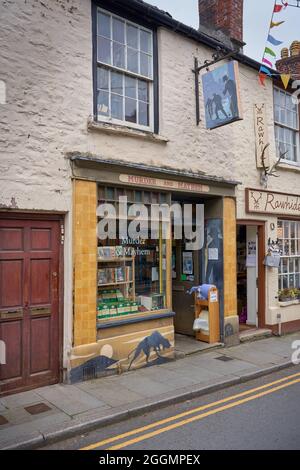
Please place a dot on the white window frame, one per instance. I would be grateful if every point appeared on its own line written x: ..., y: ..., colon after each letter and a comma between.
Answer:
x: 125, y: 72
x: 289, y: 256
x: 278, y: 124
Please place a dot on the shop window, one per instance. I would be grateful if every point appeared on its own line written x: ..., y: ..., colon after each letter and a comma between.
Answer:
x: 125, y: 64
x: 289, y: 239
x: 286, y: 125
x: 132, y: 272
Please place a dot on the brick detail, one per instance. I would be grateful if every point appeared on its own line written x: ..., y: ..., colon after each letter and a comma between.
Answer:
x: 290, y: 65
x: 85, y: 262
x: 226, y: 15
x: 230, y: 269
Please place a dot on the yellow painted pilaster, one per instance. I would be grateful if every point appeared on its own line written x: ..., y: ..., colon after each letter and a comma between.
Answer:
x: 85, y: 261
x: 230, y: 269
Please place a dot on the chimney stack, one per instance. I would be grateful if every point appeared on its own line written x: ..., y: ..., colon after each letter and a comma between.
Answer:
x: 290, y: 60
x: 225, y: 15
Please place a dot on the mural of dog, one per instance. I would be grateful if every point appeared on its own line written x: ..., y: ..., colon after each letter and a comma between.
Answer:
x: 155, y: 342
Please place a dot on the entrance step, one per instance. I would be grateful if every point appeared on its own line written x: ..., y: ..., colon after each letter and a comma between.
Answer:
x: 254, y: 334
x: 187, y: 345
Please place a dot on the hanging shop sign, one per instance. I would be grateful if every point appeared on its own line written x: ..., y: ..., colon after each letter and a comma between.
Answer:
x: 221, y: 93
x: 274, y: 203
x: 147, y: 181
x: 261, y: 136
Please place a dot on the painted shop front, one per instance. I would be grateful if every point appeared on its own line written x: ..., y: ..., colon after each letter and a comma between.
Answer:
x: 268, y: 255
x: 130, y: 291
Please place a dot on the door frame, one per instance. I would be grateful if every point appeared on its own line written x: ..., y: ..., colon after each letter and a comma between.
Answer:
x: 43, y: 216
x: 261, y: 234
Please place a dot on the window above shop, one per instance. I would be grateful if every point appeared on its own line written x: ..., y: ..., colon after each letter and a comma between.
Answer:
x: 125, y: 70
x: 286, y: 119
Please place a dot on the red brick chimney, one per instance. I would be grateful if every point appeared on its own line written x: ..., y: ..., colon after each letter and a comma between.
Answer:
x: 226, y: 15
x: 290, y: 60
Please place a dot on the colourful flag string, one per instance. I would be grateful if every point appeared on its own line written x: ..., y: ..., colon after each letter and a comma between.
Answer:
x: 274, y: 41
x: 266, y: 61
x: 270, y: 51
x: 264, y: 70
x: 278, y: 23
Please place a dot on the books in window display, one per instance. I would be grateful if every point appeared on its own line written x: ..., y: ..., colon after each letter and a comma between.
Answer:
x: 106, y: 276
x: 106, y: 252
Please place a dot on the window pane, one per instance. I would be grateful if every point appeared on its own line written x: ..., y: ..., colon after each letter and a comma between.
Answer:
x: 104, y: 25
x: 102, y: 78
x: 143, y: 90
x: 103, y: 103
x: 130, y: 110
x: 132, y: 36
x: 145, y: 39
x: 117, y: 83
x: 145, y: 68
x: 118, y: 55
x: 130, y: 87
x: 104, y: 50
x: 117, y: 107
x: 118, y: 30
x: 132, y: 60
x: 143, y: 114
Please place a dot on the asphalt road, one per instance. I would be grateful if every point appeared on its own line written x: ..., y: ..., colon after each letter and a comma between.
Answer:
x: 261, y: 414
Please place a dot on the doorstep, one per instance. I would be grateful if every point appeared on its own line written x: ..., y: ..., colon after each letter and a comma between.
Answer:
x: 254, y: 334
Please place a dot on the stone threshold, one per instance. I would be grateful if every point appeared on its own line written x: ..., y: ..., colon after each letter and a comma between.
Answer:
x: 254, y: 334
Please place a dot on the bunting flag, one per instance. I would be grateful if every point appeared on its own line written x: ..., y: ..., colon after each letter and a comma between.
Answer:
x: 285, y: 77
x: 278, y: 8
x: 266, y: 61
x: 262, y: 77
x: 264, y: 70
x: 274, y: 41
x: 270, y: 52
x: 278, y: 23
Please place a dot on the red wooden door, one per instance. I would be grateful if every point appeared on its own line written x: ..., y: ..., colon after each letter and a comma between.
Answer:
x: 29, y: 307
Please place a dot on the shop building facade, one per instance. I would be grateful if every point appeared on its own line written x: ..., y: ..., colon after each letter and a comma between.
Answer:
x: 114, y: 113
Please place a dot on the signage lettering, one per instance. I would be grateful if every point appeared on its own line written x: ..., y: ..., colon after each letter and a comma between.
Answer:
x: 164, y: 184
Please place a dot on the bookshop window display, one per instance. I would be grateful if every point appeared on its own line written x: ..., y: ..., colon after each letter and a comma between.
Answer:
x: 132, y: 272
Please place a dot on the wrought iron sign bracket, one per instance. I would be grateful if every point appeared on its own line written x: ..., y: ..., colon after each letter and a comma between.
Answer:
x: 220, y: 54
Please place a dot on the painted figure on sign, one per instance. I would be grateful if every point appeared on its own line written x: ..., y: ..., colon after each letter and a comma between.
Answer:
x: 219, y: 106
x: 230, y: 88
x: 209, y: 107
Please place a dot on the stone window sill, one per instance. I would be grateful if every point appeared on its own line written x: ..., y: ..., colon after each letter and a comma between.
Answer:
x: 113, y: 129
x: 290, y: 166
x: 288, y: 303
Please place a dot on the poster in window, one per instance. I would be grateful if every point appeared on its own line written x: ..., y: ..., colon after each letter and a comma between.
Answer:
x: 187, y: 263
x: 221, y: 94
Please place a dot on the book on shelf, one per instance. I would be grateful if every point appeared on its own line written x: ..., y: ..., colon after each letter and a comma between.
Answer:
x: 110, y: 252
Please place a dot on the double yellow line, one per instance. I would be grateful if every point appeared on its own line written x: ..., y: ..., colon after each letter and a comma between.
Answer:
x: 140, y: 434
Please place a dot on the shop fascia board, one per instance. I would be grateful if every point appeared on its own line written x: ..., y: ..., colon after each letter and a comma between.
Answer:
x: 108, y: 171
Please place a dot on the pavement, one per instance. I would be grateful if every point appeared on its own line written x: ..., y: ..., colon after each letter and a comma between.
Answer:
x: 49, y: 414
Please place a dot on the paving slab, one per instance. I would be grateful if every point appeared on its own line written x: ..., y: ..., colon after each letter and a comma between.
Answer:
x: 70, y: 399
x: 114, y: 397
x: 144, y: 386
x: 253, y: 355
x: 21, y: 399
x: 200, y: 374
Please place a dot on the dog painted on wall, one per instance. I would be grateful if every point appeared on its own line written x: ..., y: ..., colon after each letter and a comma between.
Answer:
x: 155, y: 342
